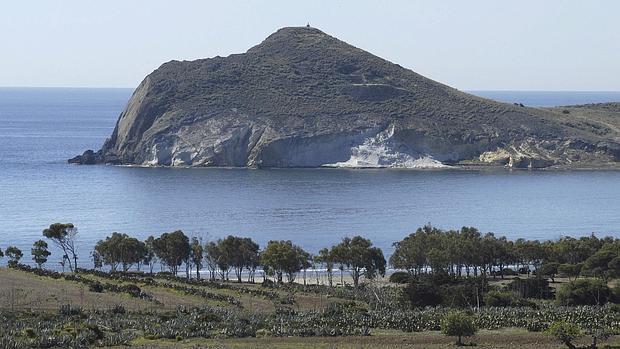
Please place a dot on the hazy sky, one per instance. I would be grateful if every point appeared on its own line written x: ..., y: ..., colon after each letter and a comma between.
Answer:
x: 519, y: 45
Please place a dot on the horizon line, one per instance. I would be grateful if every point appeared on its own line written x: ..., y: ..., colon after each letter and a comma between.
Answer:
x: 464, y: 90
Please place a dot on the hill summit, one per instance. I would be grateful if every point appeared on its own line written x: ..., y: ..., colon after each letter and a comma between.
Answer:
x: 302, y: 98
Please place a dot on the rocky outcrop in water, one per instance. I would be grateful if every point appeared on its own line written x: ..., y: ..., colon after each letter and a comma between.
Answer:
x: 302, y: 98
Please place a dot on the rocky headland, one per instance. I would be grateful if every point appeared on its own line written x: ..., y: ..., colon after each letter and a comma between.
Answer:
x: 302, y: 98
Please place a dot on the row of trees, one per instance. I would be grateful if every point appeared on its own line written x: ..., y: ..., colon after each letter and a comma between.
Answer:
x: 461, y: 253
x: 39, y: 253
x: 280, y: 258
x: 467, y: 252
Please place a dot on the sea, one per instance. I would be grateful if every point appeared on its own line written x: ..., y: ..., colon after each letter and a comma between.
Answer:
x: 40, y: 128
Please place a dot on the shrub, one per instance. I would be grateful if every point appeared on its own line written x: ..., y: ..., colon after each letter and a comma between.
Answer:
x: 262, y: 332
x: 565, y: 332
x: 509, y: 272
x: 584, y: 292
x: 400, y: 277
x: 459, y: 295
x: 458, y: 324
x: 96, y: 287
x: 531, y: 288
x: 425, y: 291
x: 505, y: 299
x: 118, y: 309
x: 422, y: 293
x: 615, y: 294
x: 68, y: 310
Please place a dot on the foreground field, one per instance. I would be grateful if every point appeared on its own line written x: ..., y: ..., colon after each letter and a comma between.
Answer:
x: 52, y: 310
x: 500, y: 339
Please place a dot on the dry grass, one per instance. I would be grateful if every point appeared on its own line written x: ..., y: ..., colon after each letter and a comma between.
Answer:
x: 502, y: 339
x: 19, y: 290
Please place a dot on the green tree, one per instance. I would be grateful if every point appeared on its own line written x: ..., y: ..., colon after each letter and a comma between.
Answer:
x: 583, y: 292
x: 548, y: 269
x: 282, y: 258
x: 40, y: 253
x: 196, y: 255
x: 326, y: 259
x: 14, y: 254
x: 64, y: 236
x: 172, y: 249
x: 121, y: 250
x: 604, y: 263
x: 458, y: 324
x: 211, y: 253
x: 97, y: 259
x: 570, y: 270
x: 361, y: 258
x: 149, y: 253
x: 565, y: 332
x: 224, y: 254
x: 411, y: 253
x: 250, y: 257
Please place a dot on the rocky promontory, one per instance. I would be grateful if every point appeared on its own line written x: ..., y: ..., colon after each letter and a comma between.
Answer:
x: 302, y: 98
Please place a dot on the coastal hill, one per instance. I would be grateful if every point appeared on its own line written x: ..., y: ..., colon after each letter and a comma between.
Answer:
x: 302, y: 98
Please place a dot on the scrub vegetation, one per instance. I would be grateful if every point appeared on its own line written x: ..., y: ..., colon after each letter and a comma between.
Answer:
x: 444, y: 287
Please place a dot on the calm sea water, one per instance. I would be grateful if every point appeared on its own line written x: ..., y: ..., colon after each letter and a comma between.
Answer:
x: 41, y: 128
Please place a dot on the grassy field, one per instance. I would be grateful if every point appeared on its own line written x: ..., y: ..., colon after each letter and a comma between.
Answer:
x: 500, y: 339
x: 22, y: 292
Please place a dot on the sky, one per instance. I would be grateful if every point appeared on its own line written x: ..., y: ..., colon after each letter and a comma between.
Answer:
x: 470, y: 45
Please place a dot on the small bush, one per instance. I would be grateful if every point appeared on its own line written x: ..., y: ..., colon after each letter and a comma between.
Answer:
x: 118, y: 309
x: 505, y: 299
x: 458, y: 324
x: 68, y: 310
x: 400, y: 277
x: 565, y: 332
x: 96, y: 287
x: 29, y: 332
x: 262, y: 332
x: 584, y: 292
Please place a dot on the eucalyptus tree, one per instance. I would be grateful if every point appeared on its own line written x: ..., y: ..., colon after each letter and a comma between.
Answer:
x: 172, y: 249
x: 97, y: 259
x: 250, y: 257
x: 120, y: 250
x: 14, y: 254
x: 361, y: 257
x: 149, y: 253
x: 604, y: 263
x: 326, y: 259
x: 196, y: 255
x: 211, y: 255
x: 470, y: 242
x: 283, y: 258
x: 64, y: 236
x: 40, y: 253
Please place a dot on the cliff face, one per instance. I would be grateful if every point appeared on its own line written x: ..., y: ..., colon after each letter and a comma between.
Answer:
x: 302, y: 98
